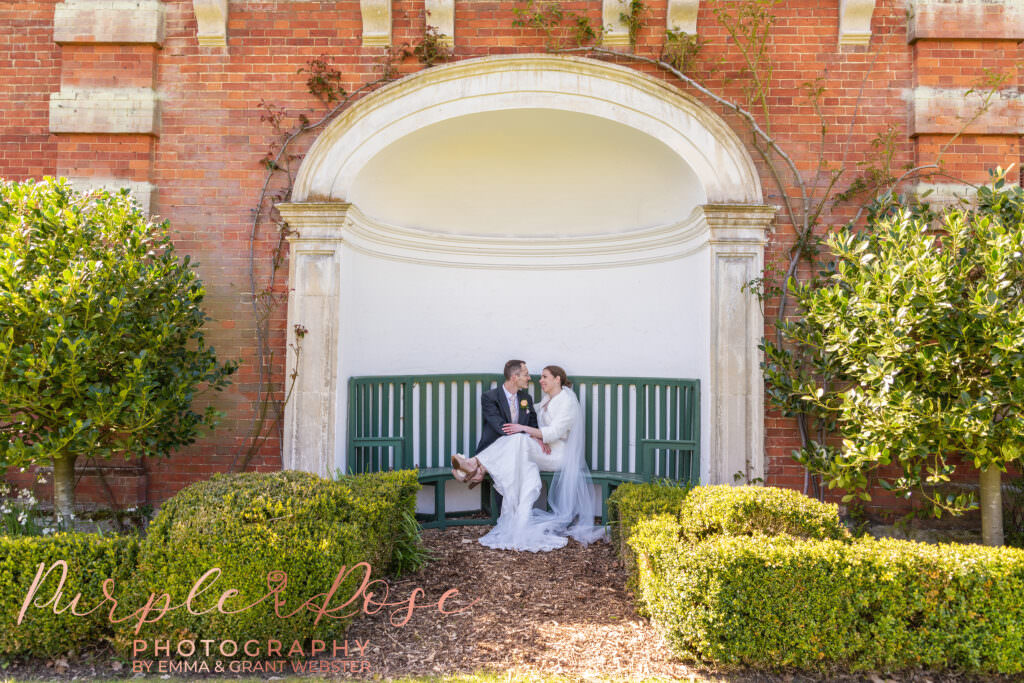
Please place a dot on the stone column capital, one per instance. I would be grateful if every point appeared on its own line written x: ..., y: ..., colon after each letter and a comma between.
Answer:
x: 739, y: 223
x: 314, y: 221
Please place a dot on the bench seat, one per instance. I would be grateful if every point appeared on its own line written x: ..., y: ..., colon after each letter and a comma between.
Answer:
x: 489, y: 504
x: 648, y: 424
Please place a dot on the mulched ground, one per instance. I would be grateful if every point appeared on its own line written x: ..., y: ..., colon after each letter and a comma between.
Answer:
x: 562, y: 612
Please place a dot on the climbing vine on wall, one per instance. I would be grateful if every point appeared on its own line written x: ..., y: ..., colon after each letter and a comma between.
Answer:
x: 324, y: 82
x: 805, y: 197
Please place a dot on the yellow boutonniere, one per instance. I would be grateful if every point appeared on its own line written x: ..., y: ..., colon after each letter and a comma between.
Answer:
x: 524, y: 404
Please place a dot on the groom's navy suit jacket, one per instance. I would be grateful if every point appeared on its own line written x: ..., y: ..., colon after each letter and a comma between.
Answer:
x: 494, y: 409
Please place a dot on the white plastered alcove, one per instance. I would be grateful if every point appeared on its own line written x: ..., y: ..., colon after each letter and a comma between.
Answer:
x: 527, y: 172
x: 558, y: 209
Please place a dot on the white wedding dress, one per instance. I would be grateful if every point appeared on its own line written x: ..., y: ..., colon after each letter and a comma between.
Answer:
x: 515, y: 462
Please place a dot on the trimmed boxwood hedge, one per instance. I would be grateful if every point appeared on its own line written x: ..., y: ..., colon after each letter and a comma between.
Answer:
x: 746, y: 510
x: 731, y: 510
x: 247, y: 525
x: 820, y: 603
x: 91, y: 558
x: 630, y: 503
x: 251, y: 524
x: 867, y: 605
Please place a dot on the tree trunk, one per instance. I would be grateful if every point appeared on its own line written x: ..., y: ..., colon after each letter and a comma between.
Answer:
x: 64, y: 486
x: 991, y: 506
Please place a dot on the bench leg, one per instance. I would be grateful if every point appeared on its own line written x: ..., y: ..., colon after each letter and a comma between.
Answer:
x: 485, y: 497
x: 439, y: 513
x: 605, y: 492
x: 494, y: 504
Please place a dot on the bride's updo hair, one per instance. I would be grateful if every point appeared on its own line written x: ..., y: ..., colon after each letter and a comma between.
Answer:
x: 560, y: 374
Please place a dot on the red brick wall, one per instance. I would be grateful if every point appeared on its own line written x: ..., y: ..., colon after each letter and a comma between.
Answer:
x: 205, y: 160
x: 29, y: 72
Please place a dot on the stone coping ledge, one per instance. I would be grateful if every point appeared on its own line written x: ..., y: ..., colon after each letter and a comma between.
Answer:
x: 109, y: 21
x: 965, y: 19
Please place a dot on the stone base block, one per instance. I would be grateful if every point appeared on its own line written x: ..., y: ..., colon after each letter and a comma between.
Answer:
x: 105, y: 110
x: 141, y: 192
x: 941, y: 110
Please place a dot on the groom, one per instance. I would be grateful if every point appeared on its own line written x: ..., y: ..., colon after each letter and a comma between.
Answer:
x: 508, y: 403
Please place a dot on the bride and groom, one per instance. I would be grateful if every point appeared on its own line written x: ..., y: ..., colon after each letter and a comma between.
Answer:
x: 518, y: 441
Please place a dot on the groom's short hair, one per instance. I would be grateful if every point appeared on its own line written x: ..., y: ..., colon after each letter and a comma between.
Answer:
x: 513, y: 367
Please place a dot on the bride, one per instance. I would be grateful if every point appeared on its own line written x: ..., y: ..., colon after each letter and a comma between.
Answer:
x: 514, y: 463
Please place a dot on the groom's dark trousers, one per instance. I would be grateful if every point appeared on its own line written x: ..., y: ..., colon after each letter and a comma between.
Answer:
x: 494, y: 409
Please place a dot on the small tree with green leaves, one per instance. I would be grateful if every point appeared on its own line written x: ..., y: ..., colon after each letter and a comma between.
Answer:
x: 101, y: 342
x: 918, y: 332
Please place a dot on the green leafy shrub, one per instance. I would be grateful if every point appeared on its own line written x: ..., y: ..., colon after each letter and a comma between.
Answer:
x: 915, y: 334
x: 90, y: 559
x: 251, y: 524
x: 101, y: 342
x: 630, y: 503
x: 746, y: 510
x: 779, y: 602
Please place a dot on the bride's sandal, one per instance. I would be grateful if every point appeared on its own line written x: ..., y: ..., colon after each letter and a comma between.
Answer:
x: 459, y: 470
x: 478, y: 476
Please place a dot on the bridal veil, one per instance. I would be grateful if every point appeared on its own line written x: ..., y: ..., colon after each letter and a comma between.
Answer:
x: 571, y: 496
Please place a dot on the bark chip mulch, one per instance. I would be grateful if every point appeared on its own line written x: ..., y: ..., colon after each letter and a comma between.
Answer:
x: 564, y: 612
x: 561, y: 612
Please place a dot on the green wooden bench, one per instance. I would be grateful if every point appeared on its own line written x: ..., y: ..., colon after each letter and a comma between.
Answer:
x: 638, y: 429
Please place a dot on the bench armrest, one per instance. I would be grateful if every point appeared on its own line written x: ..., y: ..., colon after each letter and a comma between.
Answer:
x: 647, y: 447
x: 396, y: 443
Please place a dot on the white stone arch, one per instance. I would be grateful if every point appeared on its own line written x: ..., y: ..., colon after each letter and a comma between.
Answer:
x: 597, y: 88
x: 727, y: 229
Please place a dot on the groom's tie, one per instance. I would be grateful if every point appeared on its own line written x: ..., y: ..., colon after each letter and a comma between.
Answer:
x: 513, y: 409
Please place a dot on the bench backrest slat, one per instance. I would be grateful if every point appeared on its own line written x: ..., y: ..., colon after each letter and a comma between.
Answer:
x: 636, y: 425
